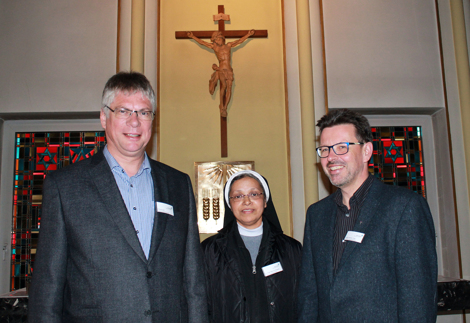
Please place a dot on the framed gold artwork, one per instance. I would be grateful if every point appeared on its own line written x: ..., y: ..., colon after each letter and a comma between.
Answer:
x: 210, y: 180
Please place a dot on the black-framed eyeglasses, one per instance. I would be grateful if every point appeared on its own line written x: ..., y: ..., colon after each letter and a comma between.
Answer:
x: 123, y: 113
x: 251, y: 196
x: 341, y: 148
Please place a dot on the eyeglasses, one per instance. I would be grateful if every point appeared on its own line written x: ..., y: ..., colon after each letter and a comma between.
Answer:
x: 123, y: 113
x: 341, y: 148
x: 251, y: 196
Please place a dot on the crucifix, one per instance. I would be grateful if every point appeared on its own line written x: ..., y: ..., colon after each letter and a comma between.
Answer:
x: 223, y: 74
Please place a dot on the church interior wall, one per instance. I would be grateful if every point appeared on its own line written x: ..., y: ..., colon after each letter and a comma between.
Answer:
x: 382, y: 55
x: 446, y: 199
x: 455, y: 66
x: 189, y: 115
x: 54, y: 62
x: 458, y: 83
x: 52, y: 57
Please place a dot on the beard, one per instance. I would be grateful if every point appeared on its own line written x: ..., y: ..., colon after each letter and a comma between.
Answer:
x: 347, y: 176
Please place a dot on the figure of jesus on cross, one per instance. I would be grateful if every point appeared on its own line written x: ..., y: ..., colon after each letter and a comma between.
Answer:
x: 224, y: 72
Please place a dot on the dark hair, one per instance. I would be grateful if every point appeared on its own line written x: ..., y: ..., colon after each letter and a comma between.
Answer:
x: 346, y: 116
x: 236, y: 178
x: 128, y: 83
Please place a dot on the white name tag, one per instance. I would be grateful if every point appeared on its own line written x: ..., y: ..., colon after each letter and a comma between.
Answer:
x: 272, y: 269
x: 165, y: 208
x: 354, y: 236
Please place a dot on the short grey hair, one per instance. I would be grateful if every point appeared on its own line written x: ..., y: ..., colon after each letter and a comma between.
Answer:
x: 127, y: 83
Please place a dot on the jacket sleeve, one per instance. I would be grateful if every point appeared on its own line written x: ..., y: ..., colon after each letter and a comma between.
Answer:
x: 194, y: 267
x: 416, y: 263
x: 307, y: 296
x: 50, y: 267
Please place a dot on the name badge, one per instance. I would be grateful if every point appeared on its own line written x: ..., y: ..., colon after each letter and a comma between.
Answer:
x: 165, y: 208
x: 272, y: 269
x: 354, y: 236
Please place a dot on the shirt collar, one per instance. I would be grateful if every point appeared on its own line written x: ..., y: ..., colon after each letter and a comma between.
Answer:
x: 112, y: 162
x: 358, y: 196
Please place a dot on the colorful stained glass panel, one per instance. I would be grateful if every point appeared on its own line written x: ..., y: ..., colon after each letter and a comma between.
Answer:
x: 398, y: 157
x: 36, y: 155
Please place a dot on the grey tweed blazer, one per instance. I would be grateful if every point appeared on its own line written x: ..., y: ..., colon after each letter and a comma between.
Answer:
x: 390, y: 277
x: 90, y: 266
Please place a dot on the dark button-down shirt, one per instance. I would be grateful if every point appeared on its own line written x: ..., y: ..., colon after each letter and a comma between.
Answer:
x: 346, y: 219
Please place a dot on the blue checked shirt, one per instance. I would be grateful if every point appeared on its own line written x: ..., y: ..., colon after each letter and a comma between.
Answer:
x: 137, y: 194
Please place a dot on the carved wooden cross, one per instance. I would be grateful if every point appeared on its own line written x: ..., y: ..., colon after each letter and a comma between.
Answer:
x: 221, y: 17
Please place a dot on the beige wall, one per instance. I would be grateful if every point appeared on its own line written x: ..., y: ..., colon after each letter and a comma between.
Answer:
x: 189, y: 115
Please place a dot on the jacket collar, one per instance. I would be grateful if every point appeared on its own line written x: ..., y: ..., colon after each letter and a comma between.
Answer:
x: 370, y: 209
x: 103, y: 178
x: 161, y: 188
x: 101, y: 175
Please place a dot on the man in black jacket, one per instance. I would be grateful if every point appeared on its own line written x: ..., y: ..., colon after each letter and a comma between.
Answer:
x: 369, y: 249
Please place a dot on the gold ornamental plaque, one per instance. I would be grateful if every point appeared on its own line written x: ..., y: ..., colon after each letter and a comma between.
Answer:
x: 210, y: 180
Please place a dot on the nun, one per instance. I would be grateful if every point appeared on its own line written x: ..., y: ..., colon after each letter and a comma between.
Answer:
x: 252, y: 268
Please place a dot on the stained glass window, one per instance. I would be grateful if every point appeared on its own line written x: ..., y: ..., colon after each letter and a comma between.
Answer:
x: 398, y: 157
x: 36, y: 155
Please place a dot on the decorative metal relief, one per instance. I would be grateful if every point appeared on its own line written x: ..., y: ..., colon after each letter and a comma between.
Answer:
x: 210, y: 180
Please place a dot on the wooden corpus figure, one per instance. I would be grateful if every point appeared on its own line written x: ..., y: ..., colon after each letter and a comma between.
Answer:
x: 224, y: 72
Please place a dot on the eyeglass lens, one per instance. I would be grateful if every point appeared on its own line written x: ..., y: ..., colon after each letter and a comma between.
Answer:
x: 123, y: 113
x: 339, y: 149
x: 251, y: 196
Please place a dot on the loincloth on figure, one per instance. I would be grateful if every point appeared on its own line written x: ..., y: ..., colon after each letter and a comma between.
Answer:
x: 219, y: 74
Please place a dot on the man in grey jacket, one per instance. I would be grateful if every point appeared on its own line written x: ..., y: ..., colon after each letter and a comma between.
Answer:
x: 119, y: 239
x: 369, y: 248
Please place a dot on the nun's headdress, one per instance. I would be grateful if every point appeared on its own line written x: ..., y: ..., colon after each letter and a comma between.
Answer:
x: 269, y: 212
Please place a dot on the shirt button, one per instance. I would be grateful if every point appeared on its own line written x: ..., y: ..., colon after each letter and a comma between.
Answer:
x: 134, y: 208
x: 347, y: 215
x: 137, y: 231
x: 148, y: 312
x: 132, y: 185
x: 272, y: 303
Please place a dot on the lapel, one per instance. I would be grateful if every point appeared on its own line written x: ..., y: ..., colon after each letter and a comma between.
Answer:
x: 369, y: 209
x: 103, y: 178
x: 161, y: 194
x: 328, y: 233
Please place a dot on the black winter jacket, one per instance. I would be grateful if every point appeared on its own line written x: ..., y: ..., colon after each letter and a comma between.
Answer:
x: 227, y: 276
